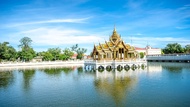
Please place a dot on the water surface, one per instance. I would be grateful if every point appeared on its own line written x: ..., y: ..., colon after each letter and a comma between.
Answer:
x: 158, y: 85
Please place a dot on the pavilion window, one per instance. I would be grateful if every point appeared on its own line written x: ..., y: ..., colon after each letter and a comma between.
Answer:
x: 120, y: 50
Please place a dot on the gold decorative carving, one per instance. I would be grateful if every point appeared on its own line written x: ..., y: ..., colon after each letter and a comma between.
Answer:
x: 127, y: 46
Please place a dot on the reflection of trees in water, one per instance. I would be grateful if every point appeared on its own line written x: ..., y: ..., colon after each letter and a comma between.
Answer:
x: 67, y: 70
x: 27, y: 77
x: 80, y: 69
x: 173, y: 68
x: 6, y: 79
x: 115, y: 88
x: 82, y: 73
x: 57, y: 71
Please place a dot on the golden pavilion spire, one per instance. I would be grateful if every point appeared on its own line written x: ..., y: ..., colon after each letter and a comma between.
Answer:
x: 114, y: 30
x: 115, y: 37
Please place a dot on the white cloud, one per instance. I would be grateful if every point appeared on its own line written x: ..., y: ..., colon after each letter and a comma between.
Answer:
x: 139, y: 34
x: 79, y: 20
x: 60, y: 36
x: 161, y: 39
x: 157, y: 42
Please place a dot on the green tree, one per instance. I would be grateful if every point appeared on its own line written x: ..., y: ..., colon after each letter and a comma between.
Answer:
x: 47, y: 56
x: 74, y: 47
x: 67, y: 53
x: 55, y: 52
x: 162, y: 51
x: 187, y: 48
x: 173, y: 48
x: 80, y: 51
x: 7, y: 53
x: 27, y: 53
x: 25, y: 43
x: 141, y: 55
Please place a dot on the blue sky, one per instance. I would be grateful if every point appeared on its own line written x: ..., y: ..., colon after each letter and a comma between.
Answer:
x: 63, y: 23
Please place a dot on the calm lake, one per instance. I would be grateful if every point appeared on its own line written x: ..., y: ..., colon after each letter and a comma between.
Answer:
x: 157, y: 85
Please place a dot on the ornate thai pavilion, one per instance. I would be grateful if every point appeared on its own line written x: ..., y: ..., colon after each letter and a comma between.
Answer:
x: 114, y: 49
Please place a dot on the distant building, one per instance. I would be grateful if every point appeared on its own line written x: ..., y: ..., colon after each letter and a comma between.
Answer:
x: 114, y: 49
x: 148, y: 50
x: 37, y: 59
x: 74, y: 57
x: 87, y: 57
x: 153, y: 51
x: 143, y: 50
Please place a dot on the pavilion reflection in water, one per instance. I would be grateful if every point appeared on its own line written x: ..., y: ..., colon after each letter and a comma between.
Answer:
x: 119, y: 73
x: 118, y: 84
x: 115, y: 84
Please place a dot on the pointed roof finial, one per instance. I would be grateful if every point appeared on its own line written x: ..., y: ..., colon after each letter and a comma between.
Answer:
x: 114, y: 28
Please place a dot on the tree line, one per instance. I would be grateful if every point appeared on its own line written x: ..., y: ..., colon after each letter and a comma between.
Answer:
x: 176, y: 48
x: 173, y: 48
x: 27, y: 53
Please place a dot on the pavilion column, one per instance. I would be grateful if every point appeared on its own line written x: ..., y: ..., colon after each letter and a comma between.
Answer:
x: 113, y: 54
x: 124, y: 54
x: 117, y: 55
x: 130, y: 55
x: 127, y: 55
x: 121, y: 53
